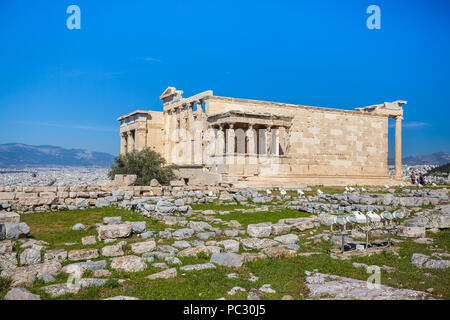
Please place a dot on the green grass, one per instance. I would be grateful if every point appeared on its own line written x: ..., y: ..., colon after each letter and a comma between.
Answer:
x: 287, y: 276
x: 56, y: 227
x: 266, y: 216
x: 5, y: 285
x: 218, y: 207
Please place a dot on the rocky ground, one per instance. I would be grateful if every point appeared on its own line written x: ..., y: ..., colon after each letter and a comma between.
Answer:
x: 58, y: 176
x: 250, y: 244
x: 85, y: 176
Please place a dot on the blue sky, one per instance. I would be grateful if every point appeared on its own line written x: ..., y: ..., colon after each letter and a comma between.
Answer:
x: 67, y: 87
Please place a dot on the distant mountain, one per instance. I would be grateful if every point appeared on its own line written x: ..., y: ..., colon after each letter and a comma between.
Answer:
x: 17, y: 155
x: 438, y: 158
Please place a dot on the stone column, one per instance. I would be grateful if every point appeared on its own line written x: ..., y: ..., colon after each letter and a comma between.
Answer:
x: 123, y: 143
x: 250, y: 134
x: 286, y: 141
x: 199, y: 107
x: 130, y: 141
x: 197, y: 140
x: 269, y: 140
x: 398, y: 147
x: 275, y: 142
x: 231, y: 139
x: 220, y: 141
x: 189, y: 134
x: 183, y: 134
x: 177, y: 136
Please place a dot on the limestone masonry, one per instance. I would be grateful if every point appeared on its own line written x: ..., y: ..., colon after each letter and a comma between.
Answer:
x: 256, y: 143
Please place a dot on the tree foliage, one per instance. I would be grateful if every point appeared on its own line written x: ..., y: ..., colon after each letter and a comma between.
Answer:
x: 443, y: 170
x: 146, y: 164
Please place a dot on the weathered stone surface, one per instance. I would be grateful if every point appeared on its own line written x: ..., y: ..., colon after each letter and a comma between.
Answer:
x: 114, y: 231
x: 102, y: 273
x: 192, y: 252
x: 16, y: 230
x: 121, y: 298
x: 411, y: 232
x: 59, y: 289
x: 112, y: 220
x: 206, y: 235
x: 24, y: 276
x: 89, y: 240
x: 304, y: 224
x: 112, y: 251
x: 8, y: 260
x: 142, y: 247
x: 197, y: 267
x: 166, y: 274
x: 235, y: 290
x: 138, y: 227
x: 183, y: 233
x: 341, y: 288
x: 75, y: 270
x: 47, y: 278
x: 21, y: 294
x: 59, y: 255
x: 173, y: 260
x: 230, y: 245
x: 431, y: 219
x: 6, y: 246
x: 82, y: 254
x: 181, y: 244
x: 260, y: 230
x: 30, y: 256
x: 287, y: 239
x: 38, y: 244
x: 93, y: 265
x: 227, y: 259
x: 199, y: 226
x: 9, y: 217
x: 255, y: 294
x: 128, y: 264
x: 231, y: 233
x: 256, y: 243
x: 78, y: 227
x: 279, y: 252
x: 267, y: 288
x: 424, y: 261
x: 278, y: 229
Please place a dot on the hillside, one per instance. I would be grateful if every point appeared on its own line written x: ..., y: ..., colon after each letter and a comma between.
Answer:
x: 17, y: 155
x: 438, y: 158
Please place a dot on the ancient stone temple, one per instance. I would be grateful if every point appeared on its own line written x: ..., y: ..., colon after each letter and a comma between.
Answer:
x: 257, y: 143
